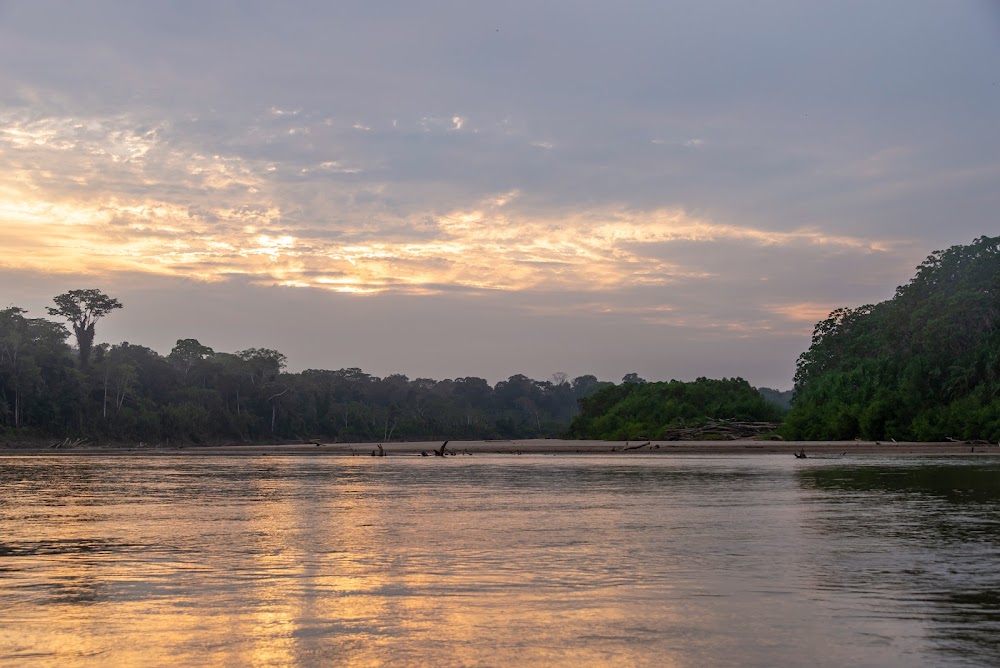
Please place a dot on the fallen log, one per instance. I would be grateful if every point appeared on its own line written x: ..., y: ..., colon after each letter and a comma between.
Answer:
x: 718, y: 430
x: 635, y: 447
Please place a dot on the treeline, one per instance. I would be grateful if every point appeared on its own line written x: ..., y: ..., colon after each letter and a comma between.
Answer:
x: 924, y: 365
x: 656, y: 411
x: 129, y: 392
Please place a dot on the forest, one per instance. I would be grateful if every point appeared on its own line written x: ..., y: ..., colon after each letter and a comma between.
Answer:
x: 924, y: 365
x: 131, y: 393
x: 676, y: 410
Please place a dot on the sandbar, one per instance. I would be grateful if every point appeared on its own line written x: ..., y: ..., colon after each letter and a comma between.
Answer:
x: 815, y: 449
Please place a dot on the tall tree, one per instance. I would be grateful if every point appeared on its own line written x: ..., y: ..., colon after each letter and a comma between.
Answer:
x: 83, y: 308
x: 187, y: 353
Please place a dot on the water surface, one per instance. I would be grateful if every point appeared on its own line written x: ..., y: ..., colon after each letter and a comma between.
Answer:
x: 500, y: 560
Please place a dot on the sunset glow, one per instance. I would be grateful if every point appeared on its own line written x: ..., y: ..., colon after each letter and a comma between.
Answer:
x: 479, y: 167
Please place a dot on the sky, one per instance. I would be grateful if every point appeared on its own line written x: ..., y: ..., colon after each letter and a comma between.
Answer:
x: 446, y: 189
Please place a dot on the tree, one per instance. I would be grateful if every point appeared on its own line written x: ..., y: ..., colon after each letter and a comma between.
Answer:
x: 660, y: 410
x: 586, y: 385
x: 263, y: 364
x: 187, y: 353
x: 83, y: 308
x: 921, y: 366
x: 31, y: 350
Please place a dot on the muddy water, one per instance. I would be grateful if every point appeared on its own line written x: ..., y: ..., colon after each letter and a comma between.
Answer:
x: 498, y: 561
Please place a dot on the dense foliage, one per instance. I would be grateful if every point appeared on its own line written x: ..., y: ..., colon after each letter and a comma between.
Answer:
x: 648, y: 410
x: 128, y: 392
x: 924, y: 365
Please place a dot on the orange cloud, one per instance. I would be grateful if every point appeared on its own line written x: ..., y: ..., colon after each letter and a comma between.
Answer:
x: 810, y: 312
x: 98, y: 196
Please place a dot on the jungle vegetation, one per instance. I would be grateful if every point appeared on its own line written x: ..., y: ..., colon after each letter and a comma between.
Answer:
x: 129, y: 392
x: 657, y: 411
x: 924, y: 365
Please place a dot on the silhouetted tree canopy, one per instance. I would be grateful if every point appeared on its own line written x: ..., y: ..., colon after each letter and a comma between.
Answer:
x: 83, y: 308
x: 129, y: 392
x: 924, y: 365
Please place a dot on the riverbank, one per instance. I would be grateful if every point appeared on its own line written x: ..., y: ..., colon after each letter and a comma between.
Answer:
x: 527, y: 447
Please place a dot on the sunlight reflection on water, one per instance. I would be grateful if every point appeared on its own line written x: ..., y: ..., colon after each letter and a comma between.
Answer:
x: 665, y: 561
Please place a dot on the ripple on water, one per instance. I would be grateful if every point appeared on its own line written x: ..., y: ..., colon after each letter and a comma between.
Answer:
x: 495, y: 561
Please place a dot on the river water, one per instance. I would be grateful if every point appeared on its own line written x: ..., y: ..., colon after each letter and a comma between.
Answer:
x: 499, y: 561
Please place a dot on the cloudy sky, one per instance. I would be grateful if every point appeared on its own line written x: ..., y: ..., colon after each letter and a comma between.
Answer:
x: 442, y: 189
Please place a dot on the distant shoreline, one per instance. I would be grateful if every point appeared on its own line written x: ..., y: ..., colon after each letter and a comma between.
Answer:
x: 623, y: 449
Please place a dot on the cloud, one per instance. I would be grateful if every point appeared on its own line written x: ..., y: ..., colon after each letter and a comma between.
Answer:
x: 126, y: 194
x: 805, y: 312
x: 233, y: 217
x: 716, y: 170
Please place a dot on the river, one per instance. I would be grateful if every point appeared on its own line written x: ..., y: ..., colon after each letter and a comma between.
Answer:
x: 499, y: 561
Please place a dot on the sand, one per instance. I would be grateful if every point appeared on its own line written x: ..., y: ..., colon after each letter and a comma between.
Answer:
x: 536, y: 447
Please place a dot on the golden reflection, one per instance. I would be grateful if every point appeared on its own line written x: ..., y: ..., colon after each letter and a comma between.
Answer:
x: 360, y: 574
x: 304, y: 561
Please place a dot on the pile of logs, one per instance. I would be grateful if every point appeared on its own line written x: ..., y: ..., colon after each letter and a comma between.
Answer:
x: 719, y: 430
x: 70, y: 443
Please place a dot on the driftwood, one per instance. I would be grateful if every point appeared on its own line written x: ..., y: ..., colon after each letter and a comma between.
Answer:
x: 975, y: 441
x: 634, y: 447
x: 70, y: 443
x: 719, y: 430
